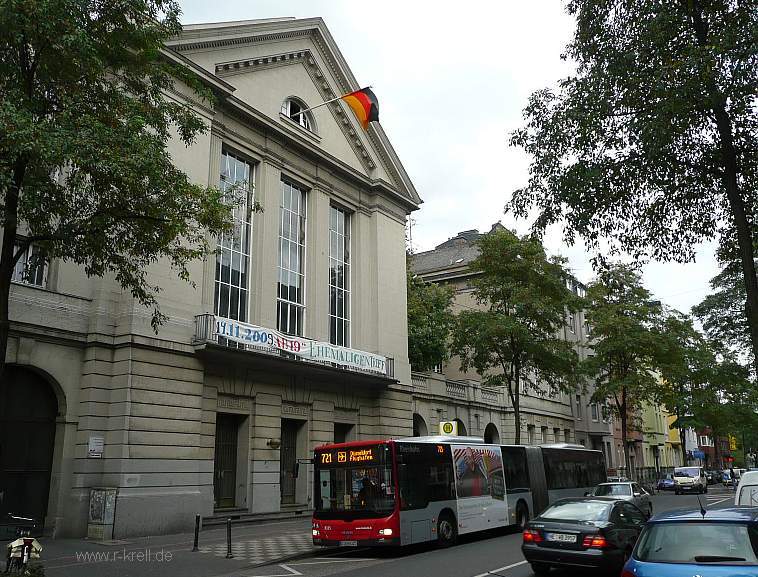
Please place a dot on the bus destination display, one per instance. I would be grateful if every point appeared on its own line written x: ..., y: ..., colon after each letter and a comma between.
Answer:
x: 348, y: 456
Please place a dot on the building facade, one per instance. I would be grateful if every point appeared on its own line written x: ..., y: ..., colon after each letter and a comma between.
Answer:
x: 450, y: 394
x: 219, y: 412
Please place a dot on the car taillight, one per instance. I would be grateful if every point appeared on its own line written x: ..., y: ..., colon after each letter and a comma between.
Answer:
x: 532, y: 536
x: 595, y: 542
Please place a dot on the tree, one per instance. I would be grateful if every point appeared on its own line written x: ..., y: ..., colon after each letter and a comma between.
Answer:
x: 652, y: 144
x: 722, y: 313
x: 85, y: 118
x: 513, y: 340
x: 429, y: 322
x: 626, y: 344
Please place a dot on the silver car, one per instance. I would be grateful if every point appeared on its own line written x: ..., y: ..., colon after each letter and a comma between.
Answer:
x: 627, y: 491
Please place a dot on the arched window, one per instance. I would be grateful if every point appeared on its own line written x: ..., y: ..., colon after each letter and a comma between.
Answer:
x: 419, y: 426
x: 491, y: 434
x: 293, y: 108
x: 461, y: 428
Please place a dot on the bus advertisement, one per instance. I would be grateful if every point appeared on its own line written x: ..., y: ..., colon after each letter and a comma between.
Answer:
x: 418, y: 489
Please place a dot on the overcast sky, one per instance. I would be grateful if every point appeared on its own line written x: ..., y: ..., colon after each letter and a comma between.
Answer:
x: 452, y: 80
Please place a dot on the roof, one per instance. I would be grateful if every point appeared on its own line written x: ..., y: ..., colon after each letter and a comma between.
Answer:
x: 749, y: 477
x: 744, y: 514
x: 457, y: 251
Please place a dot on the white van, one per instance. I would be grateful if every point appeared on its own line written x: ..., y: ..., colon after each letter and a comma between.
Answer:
x: 747, y: 490
x: 690, y: 480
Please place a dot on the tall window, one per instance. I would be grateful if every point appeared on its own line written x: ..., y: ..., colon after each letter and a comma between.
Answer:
x: 294, y: 110
x: 578, y: 407
x: 290, y: 304
x: 233, y: 257
x: 31, y: 267
x: 594, y: 408
x: 530, y: 434
x: 339, y: 277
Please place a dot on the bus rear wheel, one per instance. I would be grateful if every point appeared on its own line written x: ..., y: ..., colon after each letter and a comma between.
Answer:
x: 522, y: 516
x: 447, y: 531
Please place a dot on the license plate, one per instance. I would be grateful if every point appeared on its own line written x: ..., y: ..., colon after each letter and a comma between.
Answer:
x: 348, y: 543
x: 562, y: 537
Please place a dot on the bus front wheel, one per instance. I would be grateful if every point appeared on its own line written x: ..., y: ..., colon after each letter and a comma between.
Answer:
x: 446, y: 530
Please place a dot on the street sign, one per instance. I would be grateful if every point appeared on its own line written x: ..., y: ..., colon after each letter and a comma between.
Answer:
x: 449, y: 428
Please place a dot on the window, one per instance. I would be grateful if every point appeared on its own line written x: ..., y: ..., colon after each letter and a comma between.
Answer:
x: 557, y: 435
x: 290, y: 304
x: 690, y: 542
x: 31, y: 267
x: 425, y: 474
x: 232, y: 259
x: 705, y: 441
x: 438, y: 368
x: 530, y: 434
x: 579, y: 407
x: 572, y: 468
x: 516, y: 472
x: 594, y: 409
x: 587, y: 328
x: 567, y: 435
x: 572, y: 322
x: 543, y: 434
x: 339, y: 277
x: 293, y: 109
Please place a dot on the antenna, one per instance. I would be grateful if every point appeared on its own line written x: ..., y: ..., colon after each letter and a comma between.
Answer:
x: 702, y: 508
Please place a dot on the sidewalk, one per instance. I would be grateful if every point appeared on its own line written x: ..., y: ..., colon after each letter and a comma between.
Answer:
x: 172, y: 556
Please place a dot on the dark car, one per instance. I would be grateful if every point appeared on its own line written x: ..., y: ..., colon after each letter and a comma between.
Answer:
x: 589, y: 533
x: 712, y: 477
x: 666, y: 483
x: 720, y: 543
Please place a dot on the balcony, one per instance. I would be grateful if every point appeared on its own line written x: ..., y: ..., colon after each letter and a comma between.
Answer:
x: 434, y: 384
x: 272, y: 349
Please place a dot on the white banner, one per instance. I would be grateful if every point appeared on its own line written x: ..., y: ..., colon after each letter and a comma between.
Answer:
x: 306, y: 348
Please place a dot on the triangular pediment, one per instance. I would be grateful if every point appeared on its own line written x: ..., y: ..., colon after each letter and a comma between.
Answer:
x: 268, y: 61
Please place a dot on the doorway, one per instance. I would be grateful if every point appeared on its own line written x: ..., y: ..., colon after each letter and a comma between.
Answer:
x: 225, y: 461
x: 288, y: 460
x: 28, y: 409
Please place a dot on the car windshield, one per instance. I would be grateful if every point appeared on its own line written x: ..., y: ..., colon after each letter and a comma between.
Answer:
x: 621, y: 490
x: 578, y: 511
x: 692, y: 472
x: 716, y: 543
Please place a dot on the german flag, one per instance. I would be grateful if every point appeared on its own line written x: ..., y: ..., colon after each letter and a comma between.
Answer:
x: 364, y: 104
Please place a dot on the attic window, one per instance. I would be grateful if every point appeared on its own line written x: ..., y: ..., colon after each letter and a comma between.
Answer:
x: 293, y: 109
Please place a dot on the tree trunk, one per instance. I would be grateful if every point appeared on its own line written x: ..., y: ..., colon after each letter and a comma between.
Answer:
x: 624, y: 435
x: 682, y: 438
x: 7, y: 262
x: 517, y: 401
x: 730, y: 179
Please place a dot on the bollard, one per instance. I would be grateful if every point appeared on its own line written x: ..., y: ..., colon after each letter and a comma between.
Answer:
x: 197, y: 532
x: 229, y: 539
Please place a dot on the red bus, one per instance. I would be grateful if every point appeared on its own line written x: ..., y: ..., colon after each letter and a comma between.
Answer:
x: 418, y: 489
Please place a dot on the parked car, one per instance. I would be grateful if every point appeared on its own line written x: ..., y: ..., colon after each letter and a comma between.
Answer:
x: 617, y: 479
x: 712, y: 477
x: 628, y: 491
x: 747, y: 490
x: 689, y: 480
x: 666, y: 483
x: 591, y: 533
x: 721, y: 543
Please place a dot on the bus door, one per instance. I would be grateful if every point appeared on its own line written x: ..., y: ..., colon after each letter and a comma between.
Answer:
x: 537, y: 478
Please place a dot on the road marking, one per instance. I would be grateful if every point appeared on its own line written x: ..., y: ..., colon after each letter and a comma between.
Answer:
x: 721, y: 501
x: 292, y: 572
x: 325, y: 562
x: 491, y: 571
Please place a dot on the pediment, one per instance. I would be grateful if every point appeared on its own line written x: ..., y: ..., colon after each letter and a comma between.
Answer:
x: 252, y: 55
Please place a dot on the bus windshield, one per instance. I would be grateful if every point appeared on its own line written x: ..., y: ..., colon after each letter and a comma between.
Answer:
x: 354, y: 483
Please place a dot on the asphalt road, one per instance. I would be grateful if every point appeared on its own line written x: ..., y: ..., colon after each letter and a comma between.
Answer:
x: 484, y: 555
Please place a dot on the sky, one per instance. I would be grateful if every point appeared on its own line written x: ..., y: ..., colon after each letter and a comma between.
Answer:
x: 452, y: 80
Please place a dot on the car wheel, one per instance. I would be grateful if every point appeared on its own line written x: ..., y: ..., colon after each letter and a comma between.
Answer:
x: 447, y: 532
x: 676, y: 492
x: 540, y: 569
x: 705, y: 489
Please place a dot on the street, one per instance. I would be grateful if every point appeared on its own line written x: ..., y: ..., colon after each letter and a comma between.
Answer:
x: 476, y: 556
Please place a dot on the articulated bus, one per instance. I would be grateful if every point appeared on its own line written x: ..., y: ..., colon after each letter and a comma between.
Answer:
x: 418, y: 489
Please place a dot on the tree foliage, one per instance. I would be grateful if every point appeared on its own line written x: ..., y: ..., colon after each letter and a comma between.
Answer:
x: 652, y: 143
x: 86, y: 112
x: 626, y: 344
x: 429, y: 322
x: 512, y: 339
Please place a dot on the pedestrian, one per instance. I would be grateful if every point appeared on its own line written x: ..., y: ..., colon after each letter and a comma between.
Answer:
x: 733, y: 478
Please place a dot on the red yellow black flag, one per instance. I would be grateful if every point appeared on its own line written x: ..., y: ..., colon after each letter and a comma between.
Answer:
x: 365, y: 105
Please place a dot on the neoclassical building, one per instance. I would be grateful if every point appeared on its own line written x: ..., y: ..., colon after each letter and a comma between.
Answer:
x: 447, y: 394
x: 294, y: 335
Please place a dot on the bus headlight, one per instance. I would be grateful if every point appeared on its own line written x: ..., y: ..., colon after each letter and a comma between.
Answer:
x: 385, y: 532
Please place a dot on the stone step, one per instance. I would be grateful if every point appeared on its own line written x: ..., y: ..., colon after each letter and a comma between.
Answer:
x: 241, y: 516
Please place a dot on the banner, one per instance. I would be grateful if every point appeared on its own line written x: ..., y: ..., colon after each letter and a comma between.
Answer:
x: 305, y: 348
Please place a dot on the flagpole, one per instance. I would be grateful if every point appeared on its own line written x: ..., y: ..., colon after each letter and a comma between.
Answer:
x: 324, y: 103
